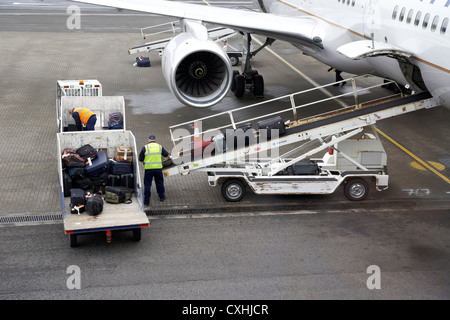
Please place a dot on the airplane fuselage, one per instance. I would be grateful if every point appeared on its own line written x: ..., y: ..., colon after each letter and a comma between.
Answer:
x: 419, y: 27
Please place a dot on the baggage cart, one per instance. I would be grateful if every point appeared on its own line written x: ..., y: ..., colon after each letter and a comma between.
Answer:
x: 123, y: 216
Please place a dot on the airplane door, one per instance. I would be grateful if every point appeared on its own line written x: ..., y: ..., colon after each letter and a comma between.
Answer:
x: 371, y: 14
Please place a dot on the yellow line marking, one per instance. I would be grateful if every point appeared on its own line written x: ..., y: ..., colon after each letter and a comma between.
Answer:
x: 409, y: 153
x: 437, y: 165
x: 417, y: 166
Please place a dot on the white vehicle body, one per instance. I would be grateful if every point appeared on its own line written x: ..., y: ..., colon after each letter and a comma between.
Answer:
x: 124, y: 216
x: 359, y: 160
x: 75, y: 88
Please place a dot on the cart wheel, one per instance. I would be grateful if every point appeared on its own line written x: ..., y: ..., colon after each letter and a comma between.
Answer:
x: 233, y: 190
x: 136, y: 234
x: 356, y: 190
x: 73, y: 240
x: 234, y: 59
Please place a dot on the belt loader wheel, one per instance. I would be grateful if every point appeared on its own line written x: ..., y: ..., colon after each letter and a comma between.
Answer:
x: 233, y: 190
x: 356, y: 189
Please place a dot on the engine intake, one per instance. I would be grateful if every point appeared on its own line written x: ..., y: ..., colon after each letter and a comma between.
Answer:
x: 197, y: 72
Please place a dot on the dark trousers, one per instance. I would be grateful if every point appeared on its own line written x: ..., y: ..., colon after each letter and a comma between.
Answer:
x: 90, y: 125
x: 159, y: 180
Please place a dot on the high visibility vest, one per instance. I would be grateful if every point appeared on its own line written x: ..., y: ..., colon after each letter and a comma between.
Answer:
x: 84, y: 113
x: 153, y: 156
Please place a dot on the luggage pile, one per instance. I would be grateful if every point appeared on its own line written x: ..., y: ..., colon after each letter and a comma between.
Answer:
x: 234, y: 138
x: 88, y: 174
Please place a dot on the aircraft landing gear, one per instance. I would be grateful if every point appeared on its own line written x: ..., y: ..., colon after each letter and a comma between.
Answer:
x: 249, y: 79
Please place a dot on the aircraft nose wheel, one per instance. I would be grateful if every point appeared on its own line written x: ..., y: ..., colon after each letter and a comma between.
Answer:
x: 252, y: 81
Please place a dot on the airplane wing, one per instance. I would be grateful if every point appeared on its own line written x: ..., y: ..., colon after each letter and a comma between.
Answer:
x: 303, y: 31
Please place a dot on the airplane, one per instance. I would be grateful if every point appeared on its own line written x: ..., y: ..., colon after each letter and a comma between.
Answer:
x: 407, y: 41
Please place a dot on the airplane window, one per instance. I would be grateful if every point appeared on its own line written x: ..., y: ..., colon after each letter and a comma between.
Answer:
x: 418, y: 16
x: 353, y: 3
x: 402, y: 14
x: 348, y: 2
x: 394, y: 14
x: 426, y: 19
x: 444, y: 26
x: 435, y: 23
x: 409, y: 17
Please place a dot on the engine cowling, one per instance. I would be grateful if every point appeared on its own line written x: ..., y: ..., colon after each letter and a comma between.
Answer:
x: 198, y: 72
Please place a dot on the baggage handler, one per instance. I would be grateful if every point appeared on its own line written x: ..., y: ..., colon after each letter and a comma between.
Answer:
x: 151, y: 156
x: 83, y: 116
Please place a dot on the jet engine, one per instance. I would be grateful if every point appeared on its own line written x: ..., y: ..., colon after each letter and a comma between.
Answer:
x: 198, y: 72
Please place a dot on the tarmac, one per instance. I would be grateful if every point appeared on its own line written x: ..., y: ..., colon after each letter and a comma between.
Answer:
x: 32, y: 62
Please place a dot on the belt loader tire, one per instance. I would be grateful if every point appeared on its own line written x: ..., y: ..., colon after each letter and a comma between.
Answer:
x: 233, y: 190
x: 356, y: 189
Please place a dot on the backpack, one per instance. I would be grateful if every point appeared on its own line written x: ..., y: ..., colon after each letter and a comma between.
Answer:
x: 115, y: 120
x: 71, y: 159
x: 118, y: 195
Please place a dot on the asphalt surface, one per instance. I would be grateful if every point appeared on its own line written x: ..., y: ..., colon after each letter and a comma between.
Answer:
x: 199, y: 246
x: 295, y: 255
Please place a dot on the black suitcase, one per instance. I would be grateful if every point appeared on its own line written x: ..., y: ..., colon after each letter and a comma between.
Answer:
x: 82, y: 183
x: 127, y: 180
x: 116, y: 167
x: 113, y: 180
x: 100, y: 180
x: 272, y: 124
x: 77, y: 197
x: 94, y: 204
x: 76, y: 173
x: 305, y: 167
x: 87, y: 151
x: 72, y: 127
x: 67, y: 183
x: 240, y: 135
x: 99, y: 165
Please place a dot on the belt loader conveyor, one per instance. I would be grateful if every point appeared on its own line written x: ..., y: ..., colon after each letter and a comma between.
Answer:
x: 233, y: 168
